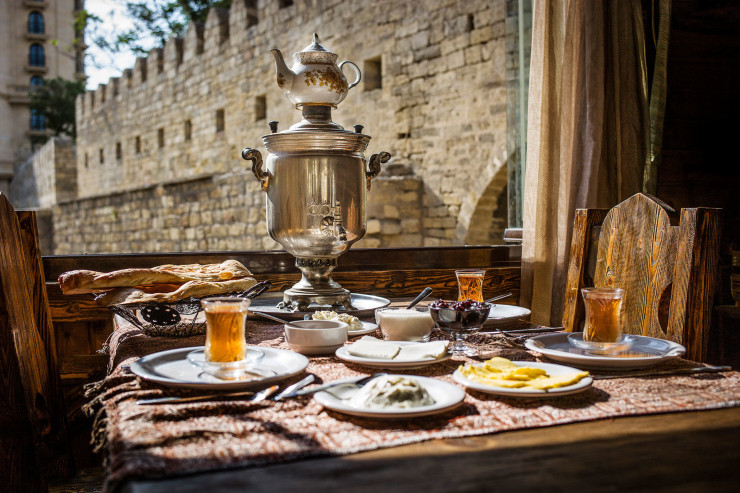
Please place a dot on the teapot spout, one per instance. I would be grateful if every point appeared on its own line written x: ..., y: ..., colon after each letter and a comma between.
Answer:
x: 284, y: 74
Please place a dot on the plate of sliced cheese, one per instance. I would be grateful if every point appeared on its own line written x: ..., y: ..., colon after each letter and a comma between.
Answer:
x: 522, y: 378
x: 376, y: 353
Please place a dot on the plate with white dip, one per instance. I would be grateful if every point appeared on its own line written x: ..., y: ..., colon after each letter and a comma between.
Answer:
x: 411, y: 397
x: 406, y: 354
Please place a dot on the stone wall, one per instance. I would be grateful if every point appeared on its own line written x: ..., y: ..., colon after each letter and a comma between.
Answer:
x: 214, y: 213
x: 47, y: 177
x: 436, y: 102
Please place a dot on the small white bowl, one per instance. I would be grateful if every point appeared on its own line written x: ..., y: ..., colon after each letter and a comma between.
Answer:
x: 313, y: 337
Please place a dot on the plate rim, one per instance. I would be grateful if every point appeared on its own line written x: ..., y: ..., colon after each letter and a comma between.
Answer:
x: 137, y: 368
x: 381, y: 363
x: 364, y: 331
x: 575, y: 388
x: 398, y: 413
x: 605, y: 362
x: 491, y: 321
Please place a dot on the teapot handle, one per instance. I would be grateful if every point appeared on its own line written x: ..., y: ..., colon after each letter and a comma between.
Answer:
x: 356, y: 70
x: 256, y: 157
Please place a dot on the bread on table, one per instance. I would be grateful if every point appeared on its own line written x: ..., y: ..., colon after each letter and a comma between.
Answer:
x: 162, y: 284
x: 87, y: 281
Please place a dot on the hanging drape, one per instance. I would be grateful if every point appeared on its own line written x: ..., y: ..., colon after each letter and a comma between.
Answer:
x: 587, y: 132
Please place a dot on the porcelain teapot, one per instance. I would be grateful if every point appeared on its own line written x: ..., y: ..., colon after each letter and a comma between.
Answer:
x: 315, y: 78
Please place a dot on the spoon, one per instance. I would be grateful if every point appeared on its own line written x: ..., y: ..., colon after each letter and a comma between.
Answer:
x: 499, y: 297
x: 422, y: 295
x: 277, y: 319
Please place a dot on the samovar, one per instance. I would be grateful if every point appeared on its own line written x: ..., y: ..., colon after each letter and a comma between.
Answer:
x: 316, y: 177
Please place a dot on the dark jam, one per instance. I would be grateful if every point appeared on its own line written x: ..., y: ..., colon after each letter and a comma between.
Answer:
x: 459, y: 315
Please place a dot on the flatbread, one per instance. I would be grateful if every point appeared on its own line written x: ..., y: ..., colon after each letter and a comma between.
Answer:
x: 87, y: 281
x: 194, y: 289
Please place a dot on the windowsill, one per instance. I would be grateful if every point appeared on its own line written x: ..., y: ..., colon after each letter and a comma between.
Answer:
x: 36, y: 69
x: 38, y: 133
x: 36, y: 36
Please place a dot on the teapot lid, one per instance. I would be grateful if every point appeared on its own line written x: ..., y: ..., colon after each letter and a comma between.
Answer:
x: 315, y: 53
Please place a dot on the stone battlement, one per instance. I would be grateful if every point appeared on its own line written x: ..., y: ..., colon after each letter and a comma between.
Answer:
x: 433, y: 94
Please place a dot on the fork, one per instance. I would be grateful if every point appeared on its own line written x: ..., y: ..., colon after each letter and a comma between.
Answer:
x: 514, y: 341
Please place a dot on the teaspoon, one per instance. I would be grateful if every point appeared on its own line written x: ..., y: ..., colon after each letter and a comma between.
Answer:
x: 422, y: 295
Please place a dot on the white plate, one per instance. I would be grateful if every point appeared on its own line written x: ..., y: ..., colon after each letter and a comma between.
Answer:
x: 367, y: 328
x: 645, y: 352
x: 343, y: 354
x: 501, y: 315
x: 171, y: 368
x: 552, y: 370
x: 446, y: 396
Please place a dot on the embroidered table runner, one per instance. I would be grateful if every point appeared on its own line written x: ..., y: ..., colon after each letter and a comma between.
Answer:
x: 170, y: 439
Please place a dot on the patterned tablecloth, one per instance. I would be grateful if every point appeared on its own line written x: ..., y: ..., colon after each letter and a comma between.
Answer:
x: 169, y: 439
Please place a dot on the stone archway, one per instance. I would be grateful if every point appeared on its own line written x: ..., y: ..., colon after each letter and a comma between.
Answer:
x: 486, y: 217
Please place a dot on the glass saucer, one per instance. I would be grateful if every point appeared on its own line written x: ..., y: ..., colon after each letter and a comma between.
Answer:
x: 245, y: 369
x: 623, y: 344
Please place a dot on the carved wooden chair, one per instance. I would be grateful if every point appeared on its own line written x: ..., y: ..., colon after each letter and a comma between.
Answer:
x: 33, y: 438
x: 668, y: 271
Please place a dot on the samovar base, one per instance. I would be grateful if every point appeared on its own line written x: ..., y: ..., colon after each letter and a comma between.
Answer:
x: 315, y: 286
x: 300, y: 302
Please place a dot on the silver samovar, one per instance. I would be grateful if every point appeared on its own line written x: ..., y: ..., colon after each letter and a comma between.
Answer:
x: 316, y: 177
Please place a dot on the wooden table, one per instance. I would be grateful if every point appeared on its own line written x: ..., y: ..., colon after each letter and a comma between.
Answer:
x: 692, y: 451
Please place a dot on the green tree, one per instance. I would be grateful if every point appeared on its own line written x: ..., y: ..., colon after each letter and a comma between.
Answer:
x: 55, y: 101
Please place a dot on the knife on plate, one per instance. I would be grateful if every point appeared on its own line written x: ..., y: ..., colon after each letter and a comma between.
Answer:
x: 259, y: 396
x: 673, y: 371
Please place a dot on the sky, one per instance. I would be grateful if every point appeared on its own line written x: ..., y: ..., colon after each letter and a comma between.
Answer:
x: 99, y: 66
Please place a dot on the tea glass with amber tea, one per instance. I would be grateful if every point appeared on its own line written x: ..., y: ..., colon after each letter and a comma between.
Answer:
x: 602, y: 331
x: 470, y: 284
x: 226, y: 355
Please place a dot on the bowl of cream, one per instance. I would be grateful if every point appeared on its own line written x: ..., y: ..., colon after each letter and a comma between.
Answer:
x: 403, y: 324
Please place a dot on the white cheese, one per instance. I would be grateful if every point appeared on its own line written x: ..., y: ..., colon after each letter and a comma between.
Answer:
x: 413, y: 352
x: 370, y: 347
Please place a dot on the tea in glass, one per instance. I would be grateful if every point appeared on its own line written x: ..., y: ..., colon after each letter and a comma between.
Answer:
x: 225, y: 329
x: 470, y: 284
x: 603, y: 306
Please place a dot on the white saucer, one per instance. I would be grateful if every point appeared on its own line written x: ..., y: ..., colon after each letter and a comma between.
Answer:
x: 502, y: 315
x: 645, y: 352
x: 551, y: 369
x: 446, y: 396
x: 367, y: 328
x: 343, y: 354
x: 171, y: 368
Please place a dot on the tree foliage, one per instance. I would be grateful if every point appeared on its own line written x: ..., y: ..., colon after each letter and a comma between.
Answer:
x: 155, y: 20
x: 55, y: 101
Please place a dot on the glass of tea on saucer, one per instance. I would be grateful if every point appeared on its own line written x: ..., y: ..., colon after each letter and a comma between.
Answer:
x: 602, y: 331
x: 226, y: 355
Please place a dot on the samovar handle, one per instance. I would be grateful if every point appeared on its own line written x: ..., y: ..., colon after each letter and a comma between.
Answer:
x: 255, y: 156
x: 374, y: 165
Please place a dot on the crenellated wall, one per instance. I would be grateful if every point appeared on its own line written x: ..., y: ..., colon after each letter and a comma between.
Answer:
x: 440, y: 109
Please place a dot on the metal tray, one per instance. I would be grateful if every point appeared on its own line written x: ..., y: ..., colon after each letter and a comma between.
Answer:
x: 365, y: 304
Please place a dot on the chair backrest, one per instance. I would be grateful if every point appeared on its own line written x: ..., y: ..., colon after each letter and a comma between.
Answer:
x: 33, y: 437
x: 669, y: 272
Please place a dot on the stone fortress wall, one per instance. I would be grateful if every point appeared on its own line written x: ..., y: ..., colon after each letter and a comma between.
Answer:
x: 158, y: 150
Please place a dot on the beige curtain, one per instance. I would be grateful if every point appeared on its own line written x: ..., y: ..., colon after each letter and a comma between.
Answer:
x: 587, y: 131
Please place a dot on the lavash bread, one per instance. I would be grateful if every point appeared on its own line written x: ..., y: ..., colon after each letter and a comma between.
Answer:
x: 87, y: 281
x: 162, y: 284
x: 191, y: 289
